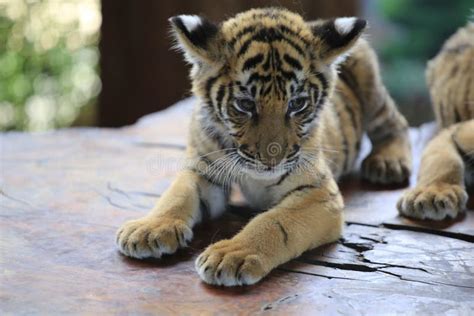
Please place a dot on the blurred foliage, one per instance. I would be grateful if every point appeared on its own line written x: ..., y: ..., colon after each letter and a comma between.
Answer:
x: 48, y: 63
x: 420, y: 28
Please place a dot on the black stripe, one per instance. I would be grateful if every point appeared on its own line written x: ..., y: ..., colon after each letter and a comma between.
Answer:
x: 219, y: 98
x: 324, y: 81
x: 257, y: 77
x: 209, y: 83
x: 350, y: 80
x: 230, y: 94
x: 352, y: 115
x: 283, y: 232
x: 220, y: 94
x: 298, y: 189
x: 345, y: 144
x: 237, y: 134
x: 292, y: 62
x: 285, y: 29
x: 252, y: 62
x: 276, y: 59
x: 267, y: 90
x: 177, y: 236
x: 288, y: 75
x: 380, y: 111
x: 248, y: 29
x: 268, y: 35
x: 253, y: 91
x: 268, y: 61
x: 282, y: 178
x: 320, y: 98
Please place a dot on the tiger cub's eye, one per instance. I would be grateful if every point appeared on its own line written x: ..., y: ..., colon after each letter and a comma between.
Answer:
x: 244, y: 105
x: 297, y: 104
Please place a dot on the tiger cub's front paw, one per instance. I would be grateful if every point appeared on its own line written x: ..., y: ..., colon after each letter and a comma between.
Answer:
x: 436, y: 201
x: 152, y: 237
x: 230, y: 263
x: 379, y: 168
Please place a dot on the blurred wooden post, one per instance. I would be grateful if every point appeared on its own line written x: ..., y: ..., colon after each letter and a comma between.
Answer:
x: 140, y: 74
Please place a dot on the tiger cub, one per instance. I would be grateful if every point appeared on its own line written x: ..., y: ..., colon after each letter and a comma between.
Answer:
x: 276, y: 118
x: 448, y: 160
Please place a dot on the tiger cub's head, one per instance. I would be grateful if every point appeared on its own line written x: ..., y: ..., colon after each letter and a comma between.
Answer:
x: 264, y: 75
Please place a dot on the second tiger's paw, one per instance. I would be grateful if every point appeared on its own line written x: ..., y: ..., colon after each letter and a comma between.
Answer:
x: 435, y: 202
x: 378, y: 168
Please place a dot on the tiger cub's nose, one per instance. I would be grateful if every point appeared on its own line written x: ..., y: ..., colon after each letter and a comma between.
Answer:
x: 272, y: 154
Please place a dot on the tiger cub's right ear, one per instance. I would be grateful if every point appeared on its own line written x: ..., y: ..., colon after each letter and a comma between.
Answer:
x: 336, y: 36
x: 196, y: 37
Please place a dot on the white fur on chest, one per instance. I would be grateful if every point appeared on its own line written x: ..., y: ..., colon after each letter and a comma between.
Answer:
x: 259, y: 193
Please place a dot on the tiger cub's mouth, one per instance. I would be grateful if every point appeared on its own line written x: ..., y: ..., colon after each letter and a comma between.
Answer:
x: 259, y: 170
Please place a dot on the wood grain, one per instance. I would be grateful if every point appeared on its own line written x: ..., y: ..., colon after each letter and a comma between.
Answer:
x: 64, y: 193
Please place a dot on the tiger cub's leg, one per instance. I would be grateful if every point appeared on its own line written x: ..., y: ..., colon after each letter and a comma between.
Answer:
x: 390, y: 158
x: 190, y: 199
x: 440, y: 189
x: 308, y: 216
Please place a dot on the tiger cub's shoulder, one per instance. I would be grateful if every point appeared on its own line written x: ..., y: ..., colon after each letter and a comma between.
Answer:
x: 450, y: 78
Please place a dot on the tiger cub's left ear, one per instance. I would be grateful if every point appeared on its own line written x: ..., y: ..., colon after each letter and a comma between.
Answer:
x: 196, y: 37
x: 335, y: 37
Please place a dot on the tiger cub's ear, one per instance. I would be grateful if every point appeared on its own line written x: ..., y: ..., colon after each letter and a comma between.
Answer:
x: 335, y: 37
x: 196, y: 37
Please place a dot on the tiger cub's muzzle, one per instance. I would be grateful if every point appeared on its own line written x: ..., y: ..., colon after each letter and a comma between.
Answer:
x: 270, y: 155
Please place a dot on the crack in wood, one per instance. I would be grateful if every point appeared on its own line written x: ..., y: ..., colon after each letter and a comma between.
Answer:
x: 15, y: 199
x: 389, y: 265
x: 373, y: 240
x: 274, y: 304
x: 454, y: 235
x: 402, y: 278
x: 358, y: 267
x: 112, y: 203
x: 341, y: 266
x: 442, y: 233
x: 329, y: 277
x: 359, y: 247
x: 128, y: 193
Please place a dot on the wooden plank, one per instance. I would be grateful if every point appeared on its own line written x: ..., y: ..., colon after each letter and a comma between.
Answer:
x: 64, y: 193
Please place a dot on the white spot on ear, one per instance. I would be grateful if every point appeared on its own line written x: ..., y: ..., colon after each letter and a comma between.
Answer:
x: 191, y: 22
x: 344, y: 25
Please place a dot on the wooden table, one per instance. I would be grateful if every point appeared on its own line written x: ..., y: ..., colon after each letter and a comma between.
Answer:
x: 64, y: 193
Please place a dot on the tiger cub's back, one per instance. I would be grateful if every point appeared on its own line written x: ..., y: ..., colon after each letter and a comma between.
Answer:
x: 450, y: 78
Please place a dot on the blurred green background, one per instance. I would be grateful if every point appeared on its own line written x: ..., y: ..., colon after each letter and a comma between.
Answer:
x: 48, y: 63
x: 410, y: 32
x: 49, y: 76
